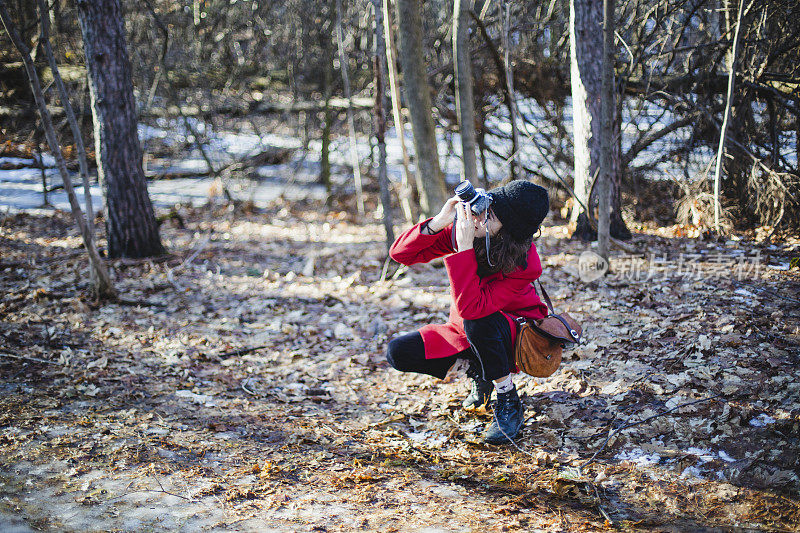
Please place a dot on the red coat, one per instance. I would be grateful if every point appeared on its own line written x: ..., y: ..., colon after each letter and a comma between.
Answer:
x: 472, y: 297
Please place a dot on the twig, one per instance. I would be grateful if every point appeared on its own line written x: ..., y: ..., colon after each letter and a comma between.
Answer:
x: 600, y: 507
x: 626, y: 426
x: 244, y: 388
x: 241, y: 351
x: 153, y: 472
x: 385, y: 269
x: 399, y: 271
x: 32, y: 359
x: 192, y: 257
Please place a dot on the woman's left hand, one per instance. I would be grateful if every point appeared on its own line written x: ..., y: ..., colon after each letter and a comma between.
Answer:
x: 465, y: 227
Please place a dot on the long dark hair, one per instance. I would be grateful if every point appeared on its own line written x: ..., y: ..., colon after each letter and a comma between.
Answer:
x: 507, y: 253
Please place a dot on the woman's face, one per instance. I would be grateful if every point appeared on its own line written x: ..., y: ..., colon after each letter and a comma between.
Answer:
x: 488, y: 222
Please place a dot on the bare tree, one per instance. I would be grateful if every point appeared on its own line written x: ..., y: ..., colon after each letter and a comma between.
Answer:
x: 131, y: 226
x: 430, y: 181
x: 406, y: 190
x: 509, y: 78
x: 327, y: 92
x: 584, y: 75
x: 607, y: 132
x: 586, y: 46
x: 343, y: 67
x: 380, y: 122
x: 102, y: 285
x: 463, y: 83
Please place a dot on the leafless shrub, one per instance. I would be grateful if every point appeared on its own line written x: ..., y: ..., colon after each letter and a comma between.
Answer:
x: 775, y: 196
x: 696, y: 207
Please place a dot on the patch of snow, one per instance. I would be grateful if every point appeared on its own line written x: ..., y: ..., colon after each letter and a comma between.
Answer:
x: 762, y: 420
x: 428, y: 438
x: 725, y: 457
x: 744, y: 292
x: 203, y: 399
x: 15, y: 161
x: 691, y: 471
x: 704, y: 455
x: 147, y: 132
x: 638, y: 457
x: 784, y: 266
x: 303, y: 169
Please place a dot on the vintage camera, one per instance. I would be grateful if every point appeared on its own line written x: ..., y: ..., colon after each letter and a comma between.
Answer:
x: 477, y: 199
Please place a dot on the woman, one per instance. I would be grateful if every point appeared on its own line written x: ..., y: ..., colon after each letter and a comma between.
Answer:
x: 488, y: 293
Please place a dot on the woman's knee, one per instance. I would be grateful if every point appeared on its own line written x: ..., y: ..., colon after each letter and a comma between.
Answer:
x: 393, y: 352
x: 405, y: 351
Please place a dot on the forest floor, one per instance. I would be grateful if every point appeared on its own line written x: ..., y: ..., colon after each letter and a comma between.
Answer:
x: 241, y: 385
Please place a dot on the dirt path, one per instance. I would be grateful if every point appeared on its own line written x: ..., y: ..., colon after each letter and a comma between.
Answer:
x: 248, y: 390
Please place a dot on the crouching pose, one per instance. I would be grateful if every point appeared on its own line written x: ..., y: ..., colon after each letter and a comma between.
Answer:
x: 489, y: 289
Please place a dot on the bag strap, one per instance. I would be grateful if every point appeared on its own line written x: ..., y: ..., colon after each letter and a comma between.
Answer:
x: 545, y: 298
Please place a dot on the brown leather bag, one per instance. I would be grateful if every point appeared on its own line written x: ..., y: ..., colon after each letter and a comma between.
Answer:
x: 540, y: 343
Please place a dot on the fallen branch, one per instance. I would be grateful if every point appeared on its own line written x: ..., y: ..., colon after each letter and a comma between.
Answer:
x: 31, y: 359
x: 241, y: 351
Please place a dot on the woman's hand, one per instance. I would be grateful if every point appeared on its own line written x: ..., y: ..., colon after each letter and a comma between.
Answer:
x: 465, y: 227
x: 445, y: 216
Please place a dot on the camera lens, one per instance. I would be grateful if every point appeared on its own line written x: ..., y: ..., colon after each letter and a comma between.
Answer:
x: 465, y: 191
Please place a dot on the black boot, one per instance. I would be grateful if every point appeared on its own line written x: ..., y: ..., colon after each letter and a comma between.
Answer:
x: 481, y: 389
x: 508, y: 418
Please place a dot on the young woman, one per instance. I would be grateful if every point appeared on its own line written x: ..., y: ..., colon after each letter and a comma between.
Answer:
x: 488, y: 293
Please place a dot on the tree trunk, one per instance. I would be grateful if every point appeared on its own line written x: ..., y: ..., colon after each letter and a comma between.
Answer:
x: 130, y: 222
x: 774, y: 120
x: 406, y: 187
x: 585, y: 42
x: 482, y: 151
x: 606, y: 138
x: 463, y: 83
x: 327, y: 119
x: 343, y: 65
x: 586, y: 45
x: 380, y: 123
x: 39, y: 160
x: 430, y: 181
x: 327, y: 115
x: 509, y: 77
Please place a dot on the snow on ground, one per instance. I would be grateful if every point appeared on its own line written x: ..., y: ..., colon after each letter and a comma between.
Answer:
x: 20, y: 188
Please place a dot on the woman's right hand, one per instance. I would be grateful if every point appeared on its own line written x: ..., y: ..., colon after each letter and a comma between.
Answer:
x: 445, y: 217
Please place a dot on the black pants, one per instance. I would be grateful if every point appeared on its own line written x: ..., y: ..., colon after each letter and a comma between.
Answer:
x: 490, y: 340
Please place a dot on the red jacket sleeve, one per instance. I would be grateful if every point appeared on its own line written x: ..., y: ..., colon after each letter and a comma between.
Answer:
x: 414, y: 247
x: 474, y: 299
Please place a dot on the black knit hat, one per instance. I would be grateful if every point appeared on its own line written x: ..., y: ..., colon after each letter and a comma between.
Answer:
x: 521, y: 206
